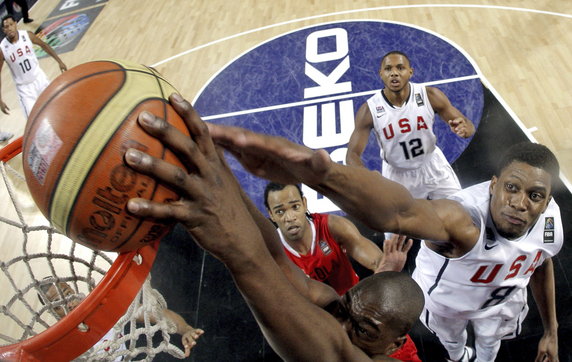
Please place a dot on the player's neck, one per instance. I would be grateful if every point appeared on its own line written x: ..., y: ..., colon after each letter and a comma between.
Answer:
x: 397, y: 99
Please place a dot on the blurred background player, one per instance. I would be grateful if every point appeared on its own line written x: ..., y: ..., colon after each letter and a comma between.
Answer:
x: 402, y: 115
x: 18, y: 52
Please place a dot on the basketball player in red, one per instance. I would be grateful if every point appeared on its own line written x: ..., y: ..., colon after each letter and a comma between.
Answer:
x: 321, y: 243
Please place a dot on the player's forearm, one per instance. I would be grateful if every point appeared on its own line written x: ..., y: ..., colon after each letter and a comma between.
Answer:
x: 366, y: 195
x: 543, y: 291
x: 353, y: 158
x: 295, y: 328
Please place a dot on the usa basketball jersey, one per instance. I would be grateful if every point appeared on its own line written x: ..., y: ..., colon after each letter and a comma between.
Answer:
x: 21, y: 58
x: 490, y: 279
x: 404, y: 134
x: 326, y: 261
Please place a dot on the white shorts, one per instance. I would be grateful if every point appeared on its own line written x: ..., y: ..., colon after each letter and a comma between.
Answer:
x: 434, y: 180
x: 28, y: 93
x: 492, y: 328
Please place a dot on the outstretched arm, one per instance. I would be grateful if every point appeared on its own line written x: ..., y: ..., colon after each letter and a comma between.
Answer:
x: 213, y: 211
x: 360, y: 136
x: 48, y: 49
x: 363, y: 250
x: 378, y: 202
x: 459, y: 124
x: 542, y: 286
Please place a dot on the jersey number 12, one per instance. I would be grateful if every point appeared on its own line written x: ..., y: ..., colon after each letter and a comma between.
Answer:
x: 413, y: 148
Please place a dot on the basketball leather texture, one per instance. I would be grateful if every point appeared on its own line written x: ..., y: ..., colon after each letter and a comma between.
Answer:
x: 74, y: 146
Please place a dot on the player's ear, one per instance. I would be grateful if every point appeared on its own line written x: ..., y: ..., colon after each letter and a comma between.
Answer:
x: 494, y: 180
x: 395, y: 345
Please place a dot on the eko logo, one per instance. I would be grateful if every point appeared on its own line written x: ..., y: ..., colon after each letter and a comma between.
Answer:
x: 306, y: 85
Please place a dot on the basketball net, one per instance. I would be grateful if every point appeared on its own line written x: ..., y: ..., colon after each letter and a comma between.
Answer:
x: 120, y: 305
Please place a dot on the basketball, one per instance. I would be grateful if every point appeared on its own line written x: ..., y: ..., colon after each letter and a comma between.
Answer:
x: 73, y: 149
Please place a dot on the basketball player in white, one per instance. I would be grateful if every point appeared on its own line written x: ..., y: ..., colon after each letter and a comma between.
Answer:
x: 18, y: 52
x: 402, y: 116
x: 482, y: 247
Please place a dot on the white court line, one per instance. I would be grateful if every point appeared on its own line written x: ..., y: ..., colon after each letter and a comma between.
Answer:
x: 358, y: 11
x: 517, y: 120
x: 326, y: 99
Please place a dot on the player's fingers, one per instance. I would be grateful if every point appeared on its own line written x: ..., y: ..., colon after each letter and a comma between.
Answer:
x: 197, y: 127
x: 407, y: 246
x: 166, y: 173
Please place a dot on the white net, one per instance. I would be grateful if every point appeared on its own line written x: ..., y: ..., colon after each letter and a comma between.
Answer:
x: 34, y: 255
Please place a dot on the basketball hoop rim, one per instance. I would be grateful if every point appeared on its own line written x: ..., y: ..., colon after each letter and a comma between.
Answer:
x: 99, y: 311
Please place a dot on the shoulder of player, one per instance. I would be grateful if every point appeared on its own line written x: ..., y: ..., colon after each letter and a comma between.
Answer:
x: 458, y: 223
x: 340, y: 227
x: 363, y: 116
x: 437, y: 98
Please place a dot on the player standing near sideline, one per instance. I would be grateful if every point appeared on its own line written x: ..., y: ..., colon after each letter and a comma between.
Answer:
x: 18, y: 52
x: 402, y: 115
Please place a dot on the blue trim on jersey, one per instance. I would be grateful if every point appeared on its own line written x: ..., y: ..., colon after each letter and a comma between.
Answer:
x: 441, y: 271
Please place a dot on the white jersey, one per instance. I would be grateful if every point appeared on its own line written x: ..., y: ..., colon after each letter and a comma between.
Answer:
x: 490, y: 279
x: 21, y: 58
x: 404, y: 134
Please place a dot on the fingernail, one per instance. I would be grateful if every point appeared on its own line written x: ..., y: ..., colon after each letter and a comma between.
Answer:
x: 147, y: 118
x: 132, y: 206
x: 133, y: 156
x: 177, y: 97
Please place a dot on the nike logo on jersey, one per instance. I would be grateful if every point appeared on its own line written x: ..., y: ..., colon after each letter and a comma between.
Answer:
x: 490, y: 236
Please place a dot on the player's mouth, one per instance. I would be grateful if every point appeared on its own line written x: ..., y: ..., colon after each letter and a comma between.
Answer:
x: 514, y: 220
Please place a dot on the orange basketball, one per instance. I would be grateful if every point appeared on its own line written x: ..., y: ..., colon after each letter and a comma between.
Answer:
x: 73, y: 149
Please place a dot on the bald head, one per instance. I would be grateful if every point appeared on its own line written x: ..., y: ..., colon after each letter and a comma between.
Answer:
x: 397, y: 298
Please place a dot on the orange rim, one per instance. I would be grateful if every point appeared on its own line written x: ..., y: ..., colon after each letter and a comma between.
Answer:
x: 99, y: 311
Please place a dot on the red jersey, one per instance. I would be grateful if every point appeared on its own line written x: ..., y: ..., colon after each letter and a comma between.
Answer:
x: 407, y: 352
x: 326, y: 261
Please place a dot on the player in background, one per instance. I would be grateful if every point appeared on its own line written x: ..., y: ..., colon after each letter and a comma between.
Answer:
x: 402, y: 116
x: 18, y: 52
x: 320, y: 243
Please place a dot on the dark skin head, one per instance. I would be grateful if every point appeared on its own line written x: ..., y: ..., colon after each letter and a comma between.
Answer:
x: 395, y: 72
x: 10, y: 28
x: 379, y: 311
x: 518, y: 196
